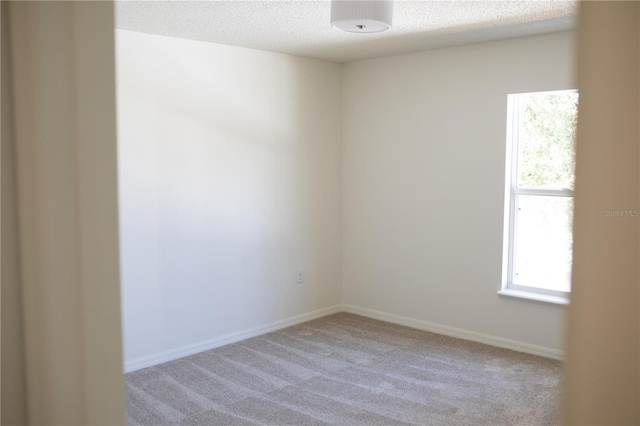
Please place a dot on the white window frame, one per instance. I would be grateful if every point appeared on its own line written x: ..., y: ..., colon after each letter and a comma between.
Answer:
x: 511, y: 207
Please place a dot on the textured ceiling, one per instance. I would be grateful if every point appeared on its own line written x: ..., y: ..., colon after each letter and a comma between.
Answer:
x: 301, y: 27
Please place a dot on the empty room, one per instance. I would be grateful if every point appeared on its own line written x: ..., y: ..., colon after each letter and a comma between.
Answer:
x: 321, y: 212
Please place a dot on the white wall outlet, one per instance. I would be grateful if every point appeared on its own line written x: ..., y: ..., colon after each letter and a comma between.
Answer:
x: 300, y: 276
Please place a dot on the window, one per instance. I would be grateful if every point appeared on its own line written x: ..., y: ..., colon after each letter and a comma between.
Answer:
x: 539, y: 195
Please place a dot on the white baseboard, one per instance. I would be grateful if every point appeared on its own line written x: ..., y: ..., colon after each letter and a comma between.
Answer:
x: 172, y: 354
x: 456, y: 332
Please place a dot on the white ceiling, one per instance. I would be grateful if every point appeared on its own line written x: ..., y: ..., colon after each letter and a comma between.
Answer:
x: 301, y: 27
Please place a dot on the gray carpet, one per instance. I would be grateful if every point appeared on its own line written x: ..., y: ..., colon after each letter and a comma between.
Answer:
x: 345, y: 369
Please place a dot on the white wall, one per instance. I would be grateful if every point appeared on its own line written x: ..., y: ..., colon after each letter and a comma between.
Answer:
x: 230, y: 174
x: 424, y: 163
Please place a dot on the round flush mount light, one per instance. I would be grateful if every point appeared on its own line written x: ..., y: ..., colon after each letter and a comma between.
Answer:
x: 361, y: 16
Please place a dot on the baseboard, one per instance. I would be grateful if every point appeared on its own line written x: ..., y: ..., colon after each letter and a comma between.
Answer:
x: 456, y: 332
x: 172, y: 354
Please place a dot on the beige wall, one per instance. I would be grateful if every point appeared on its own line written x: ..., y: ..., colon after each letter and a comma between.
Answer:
x: 602, y: 345
x: 424, y: 167
x: 62, y: 62
x: 13, y: 392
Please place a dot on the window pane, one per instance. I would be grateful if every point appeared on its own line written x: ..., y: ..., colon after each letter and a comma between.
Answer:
x: 543, y: 242
x: 546, y: 139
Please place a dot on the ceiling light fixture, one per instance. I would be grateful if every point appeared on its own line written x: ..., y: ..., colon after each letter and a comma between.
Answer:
x: 361, y: 16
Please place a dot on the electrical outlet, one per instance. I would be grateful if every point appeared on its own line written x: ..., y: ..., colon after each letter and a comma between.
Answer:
x: 300, y: 276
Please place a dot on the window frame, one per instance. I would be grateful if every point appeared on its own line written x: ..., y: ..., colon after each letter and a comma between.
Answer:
x: 511, y: 207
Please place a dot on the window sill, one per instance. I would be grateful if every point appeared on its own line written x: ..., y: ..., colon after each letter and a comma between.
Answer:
x: 536, y: 297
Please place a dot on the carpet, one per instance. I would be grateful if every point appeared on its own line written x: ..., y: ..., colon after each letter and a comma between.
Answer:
x: 345, y: 369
